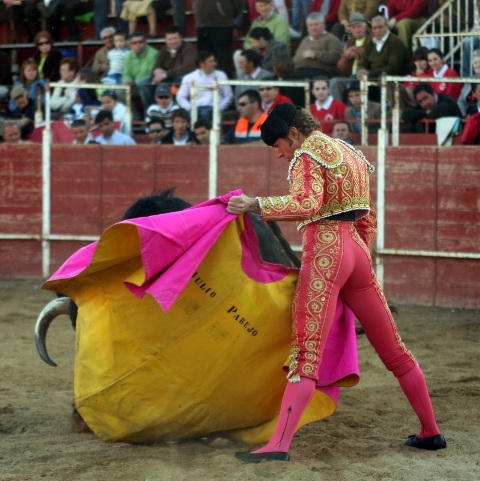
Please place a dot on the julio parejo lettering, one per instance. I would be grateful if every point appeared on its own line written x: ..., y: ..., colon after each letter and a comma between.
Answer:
x: 203, y: 285
x: 242, y: 321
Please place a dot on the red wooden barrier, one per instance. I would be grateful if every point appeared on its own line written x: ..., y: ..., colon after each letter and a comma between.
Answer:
x: 432, y: 203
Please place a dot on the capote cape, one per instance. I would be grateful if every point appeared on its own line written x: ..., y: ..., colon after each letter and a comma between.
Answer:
x: 183, y: 330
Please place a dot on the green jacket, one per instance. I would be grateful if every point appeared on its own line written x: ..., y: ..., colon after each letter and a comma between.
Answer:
x: 276, y: 24
x: 139, y: 68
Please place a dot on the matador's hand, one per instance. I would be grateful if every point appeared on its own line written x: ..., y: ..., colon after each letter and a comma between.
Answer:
x: 239, y: 204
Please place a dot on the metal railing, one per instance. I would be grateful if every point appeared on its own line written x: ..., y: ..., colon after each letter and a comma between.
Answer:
x: 447, y: 29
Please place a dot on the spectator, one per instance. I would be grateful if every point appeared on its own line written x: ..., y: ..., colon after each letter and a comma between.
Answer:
x: 87, y: 98
x: 180, y: 133
x: 341, y: 131
x: 406, y: 17
x: 420, y: 67
x: 368, y: 8
x: 351, y: 55
x: 474, y: 108
x: 353, y: 114
x: 441, y: 70
x: 156, y: 131
x: 29, y: 79
x: 11, y: 132
x: 300, y: 10
x: 179, y: 17
x: 201, y: 129
x: 24, y: 18
x: 132, y: 9
x: 326, y: 109
x: 471, y: 43
x: 24, y: 111
x: 284, y: 69
x: 110, y: 135
x: 116, y: 60
x: 63, y: 97
x: 47, y: 57
x: 204, y: 77
x: 269, y: 18
x: 100, y: 18
x: 430, y: 105
x: 247, y: 127
x: 278, y: 5
x: 384, y: 53
x: 139, y: 63
x: 163, y: 107
x: 65, y: 12
x: 175, y: 59
x: 81, y: 133
x: 109, y: 101
x: 249, y: 63
x: 214, y: 21
x: 471, y: 131
x: 270, y: 97
x: 100, y: 60
x: 329, y: 9
x: 5, y: 74
x: 269, y: 49
x: 319, y: 52
x: 468, y: 95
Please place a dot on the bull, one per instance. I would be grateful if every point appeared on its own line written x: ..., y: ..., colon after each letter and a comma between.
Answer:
x: 274, y: 248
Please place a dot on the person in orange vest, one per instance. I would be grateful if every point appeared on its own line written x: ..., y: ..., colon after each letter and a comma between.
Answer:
x: 247, y: 127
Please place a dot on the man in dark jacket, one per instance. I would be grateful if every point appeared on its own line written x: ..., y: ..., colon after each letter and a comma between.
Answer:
x: 385, y: 52
x: 430, y: 105
x: 24, y: 110
x: 214, y: 19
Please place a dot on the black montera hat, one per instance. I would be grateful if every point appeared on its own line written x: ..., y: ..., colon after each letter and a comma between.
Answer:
x: 278, y: 123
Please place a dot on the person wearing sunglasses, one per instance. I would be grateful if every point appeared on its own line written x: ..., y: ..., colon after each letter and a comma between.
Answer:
x: 156, y: 131
x: 48, y: 57
x: 247, y: 127
x: 163, y: 107
x: 271, y: 96
x: 138, y: 66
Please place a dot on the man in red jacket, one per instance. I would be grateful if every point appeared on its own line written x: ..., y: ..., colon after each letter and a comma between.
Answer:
x: 406, y: 17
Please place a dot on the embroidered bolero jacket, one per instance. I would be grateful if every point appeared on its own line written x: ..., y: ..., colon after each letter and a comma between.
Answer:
x: 327, y: 177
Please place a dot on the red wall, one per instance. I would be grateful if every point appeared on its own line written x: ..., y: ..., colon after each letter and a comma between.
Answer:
x: 432, y: 203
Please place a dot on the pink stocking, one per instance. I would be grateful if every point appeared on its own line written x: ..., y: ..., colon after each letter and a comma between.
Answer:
x: 296, y: 398
x: 415, y: 388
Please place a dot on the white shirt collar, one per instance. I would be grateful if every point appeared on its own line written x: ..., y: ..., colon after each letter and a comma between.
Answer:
x: 380, y: 43
x: 326, y: 105
x: 441, y: 73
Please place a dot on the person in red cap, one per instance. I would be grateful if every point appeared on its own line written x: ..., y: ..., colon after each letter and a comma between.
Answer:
x: 330, y: 201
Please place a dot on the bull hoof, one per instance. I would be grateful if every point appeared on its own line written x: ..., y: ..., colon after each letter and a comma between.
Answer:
x: 78, y: 424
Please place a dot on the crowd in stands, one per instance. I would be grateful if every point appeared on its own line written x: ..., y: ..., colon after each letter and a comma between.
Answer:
x: 332, y: 44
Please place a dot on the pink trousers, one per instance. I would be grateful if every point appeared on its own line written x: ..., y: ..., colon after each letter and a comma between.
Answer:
x: 336, y: 261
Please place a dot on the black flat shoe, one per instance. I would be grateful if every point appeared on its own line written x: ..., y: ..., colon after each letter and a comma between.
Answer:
x: 431, y: 444
x: 248, y: 457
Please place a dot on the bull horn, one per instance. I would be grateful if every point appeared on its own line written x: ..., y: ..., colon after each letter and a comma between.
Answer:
x: 49, y: 313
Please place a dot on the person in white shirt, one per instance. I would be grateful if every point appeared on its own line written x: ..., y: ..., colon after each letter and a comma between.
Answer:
x: 110, y: 102
x: 63, y: 98
x: 204, y: 77
x: 110, y: 135
x: 116, y: 60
